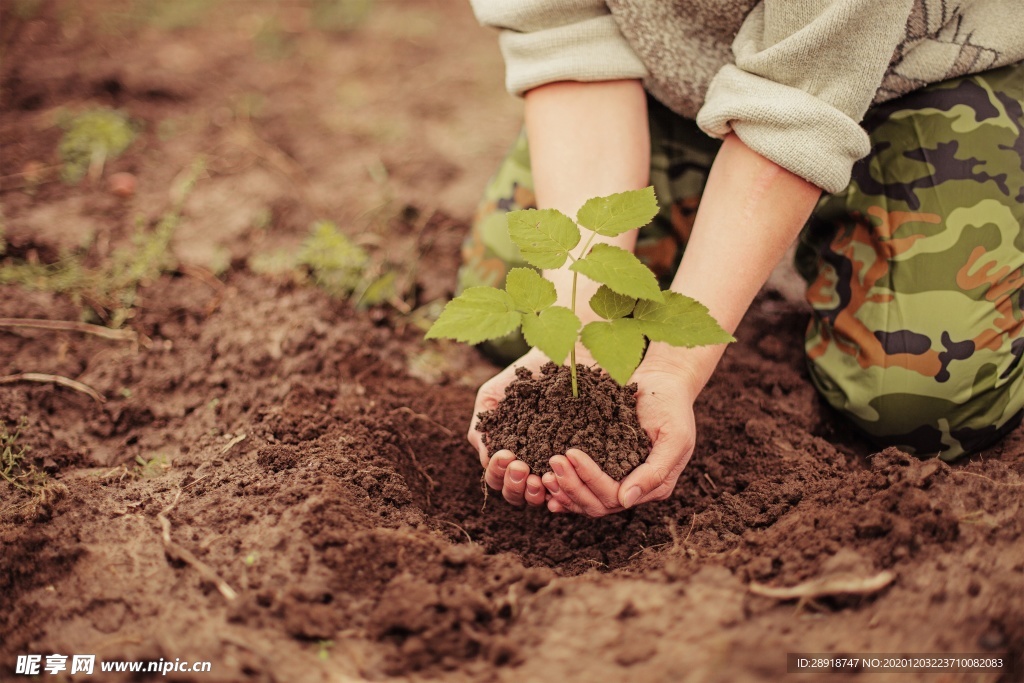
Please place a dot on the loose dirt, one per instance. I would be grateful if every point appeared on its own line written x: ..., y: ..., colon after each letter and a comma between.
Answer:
x: 311, y: 456
x: 540, y: 418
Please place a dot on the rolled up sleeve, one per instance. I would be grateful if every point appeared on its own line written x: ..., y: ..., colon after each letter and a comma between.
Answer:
x: 544, y: 42
x: 804, y: 76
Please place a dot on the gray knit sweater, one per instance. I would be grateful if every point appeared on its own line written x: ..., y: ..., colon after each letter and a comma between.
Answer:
x: 792, y: 78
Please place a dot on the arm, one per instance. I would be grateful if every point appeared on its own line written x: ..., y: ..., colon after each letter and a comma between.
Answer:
x: 586, y: 140
x: 751, y: 210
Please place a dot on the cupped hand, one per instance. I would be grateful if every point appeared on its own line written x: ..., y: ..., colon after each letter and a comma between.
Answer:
x: 503, y: 471
x: 665, y: 410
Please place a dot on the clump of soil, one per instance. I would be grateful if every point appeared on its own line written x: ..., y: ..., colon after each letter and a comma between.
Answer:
x: 539, y: 418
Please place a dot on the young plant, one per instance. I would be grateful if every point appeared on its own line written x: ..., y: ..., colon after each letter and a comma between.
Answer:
x: 13, y: 467
x: 91, y: 139
x: 634, y: 309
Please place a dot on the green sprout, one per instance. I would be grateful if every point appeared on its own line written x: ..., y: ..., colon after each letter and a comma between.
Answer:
x: 323, y: 649
x: 336, y: 263
x: 90, y: 140
x: 12, y: 461
x: 633, y: 307
x: 153, y: 467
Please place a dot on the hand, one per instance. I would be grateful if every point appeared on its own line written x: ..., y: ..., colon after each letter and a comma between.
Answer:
x: 503, y: 471
x: 665, y: 410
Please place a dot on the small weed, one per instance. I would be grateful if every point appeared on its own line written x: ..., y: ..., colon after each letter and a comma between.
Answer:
x: 90, y: 140
x: 110, y: 290
x: 172, y: 15
x: 27, y: 9
x: 13, y: 468
x: 334, y: 261
x: 323, y: 650
x: 154, y: 467
x: 263, y: 219
x: 335, y: 264
x: 339, y: 16
x: 250, y: 559
x: 271, y: 41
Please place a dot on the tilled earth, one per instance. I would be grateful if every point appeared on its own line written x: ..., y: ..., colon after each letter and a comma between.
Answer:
x: 280, y: 484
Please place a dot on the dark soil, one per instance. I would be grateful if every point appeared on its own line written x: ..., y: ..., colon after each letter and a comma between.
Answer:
x: 313, y: 455
x: 539, y: 418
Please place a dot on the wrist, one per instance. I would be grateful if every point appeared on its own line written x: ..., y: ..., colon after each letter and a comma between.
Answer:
x: 691, y: 367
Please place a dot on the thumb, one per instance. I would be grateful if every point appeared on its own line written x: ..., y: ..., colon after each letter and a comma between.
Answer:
x: 665, y: 462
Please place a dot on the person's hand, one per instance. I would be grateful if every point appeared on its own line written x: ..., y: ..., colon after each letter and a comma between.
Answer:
x: 665, y: 410
x: 503, y: 471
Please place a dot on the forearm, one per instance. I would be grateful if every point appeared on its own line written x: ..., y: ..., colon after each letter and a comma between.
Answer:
x: 750, y: 212
x: 586, y: 140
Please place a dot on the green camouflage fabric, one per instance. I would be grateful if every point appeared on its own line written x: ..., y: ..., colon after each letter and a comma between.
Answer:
x: 915, y: 271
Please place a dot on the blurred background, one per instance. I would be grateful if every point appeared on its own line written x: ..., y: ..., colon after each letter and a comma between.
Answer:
x: 255, y: 118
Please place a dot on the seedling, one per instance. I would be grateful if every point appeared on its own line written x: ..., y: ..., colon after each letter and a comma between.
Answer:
x: 111, y: 289
x: 336, y: 264
x: 91, y: 139
x: 633, y: 307
x: 13, y: 467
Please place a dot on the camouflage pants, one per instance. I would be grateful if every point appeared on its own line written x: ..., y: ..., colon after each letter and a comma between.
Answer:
x: 915, y: 270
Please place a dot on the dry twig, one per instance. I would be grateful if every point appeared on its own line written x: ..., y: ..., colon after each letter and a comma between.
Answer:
x: 231, y: 444
x: 71, y: 326
x: 425, y: 418
x: 835, y: 584
x: 53, y: 379
x: 177, y: 552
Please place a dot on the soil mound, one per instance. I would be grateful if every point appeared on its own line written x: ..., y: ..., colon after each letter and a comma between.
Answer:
x: 539, y: 418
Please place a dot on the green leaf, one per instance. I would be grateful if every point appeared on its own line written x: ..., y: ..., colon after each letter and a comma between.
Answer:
x: 617, y: 213
x: 379, y: 291
x: 476, y: 315
x: 530, y: 292
x: 620, y: 270
x: 617, y: 346
x: 609, y: 305
x: 553, y: 331
x: 680, y: 321
x: 544, y: 236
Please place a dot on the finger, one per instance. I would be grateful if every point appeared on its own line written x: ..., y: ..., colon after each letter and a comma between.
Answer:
x: 514, y: 488
x: 551, y: 484
x: 487, y: 398
x: 495, y: 474
x: 554, y: 492
x: 564, y: 503
x: 603, y: 487
x: 535, y: 493
x: 558, y: 508
x: 662, y: 468
x: 476, y: 440
x: 575, y: 489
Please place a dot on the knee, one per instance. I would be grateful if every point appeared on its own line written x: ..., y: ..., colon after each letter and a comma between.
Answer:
x: 961, y: 411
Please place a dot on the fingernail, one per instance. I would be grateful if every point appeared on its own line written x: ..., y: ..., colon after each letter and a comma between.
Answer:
x: 506, y: 458
x: 572, y: 458
x: 516, y: 476
x: 532, y: 489
x: 557, y: 468
x: 631, y: 497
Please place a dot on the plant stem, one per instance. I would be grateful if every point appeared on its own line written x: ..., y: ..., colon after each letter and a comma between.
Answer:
x: 572, y: 351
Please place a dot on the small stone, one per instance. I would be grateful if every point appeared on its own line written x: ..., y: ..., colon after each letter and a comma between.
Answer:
x: 121, y: 185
